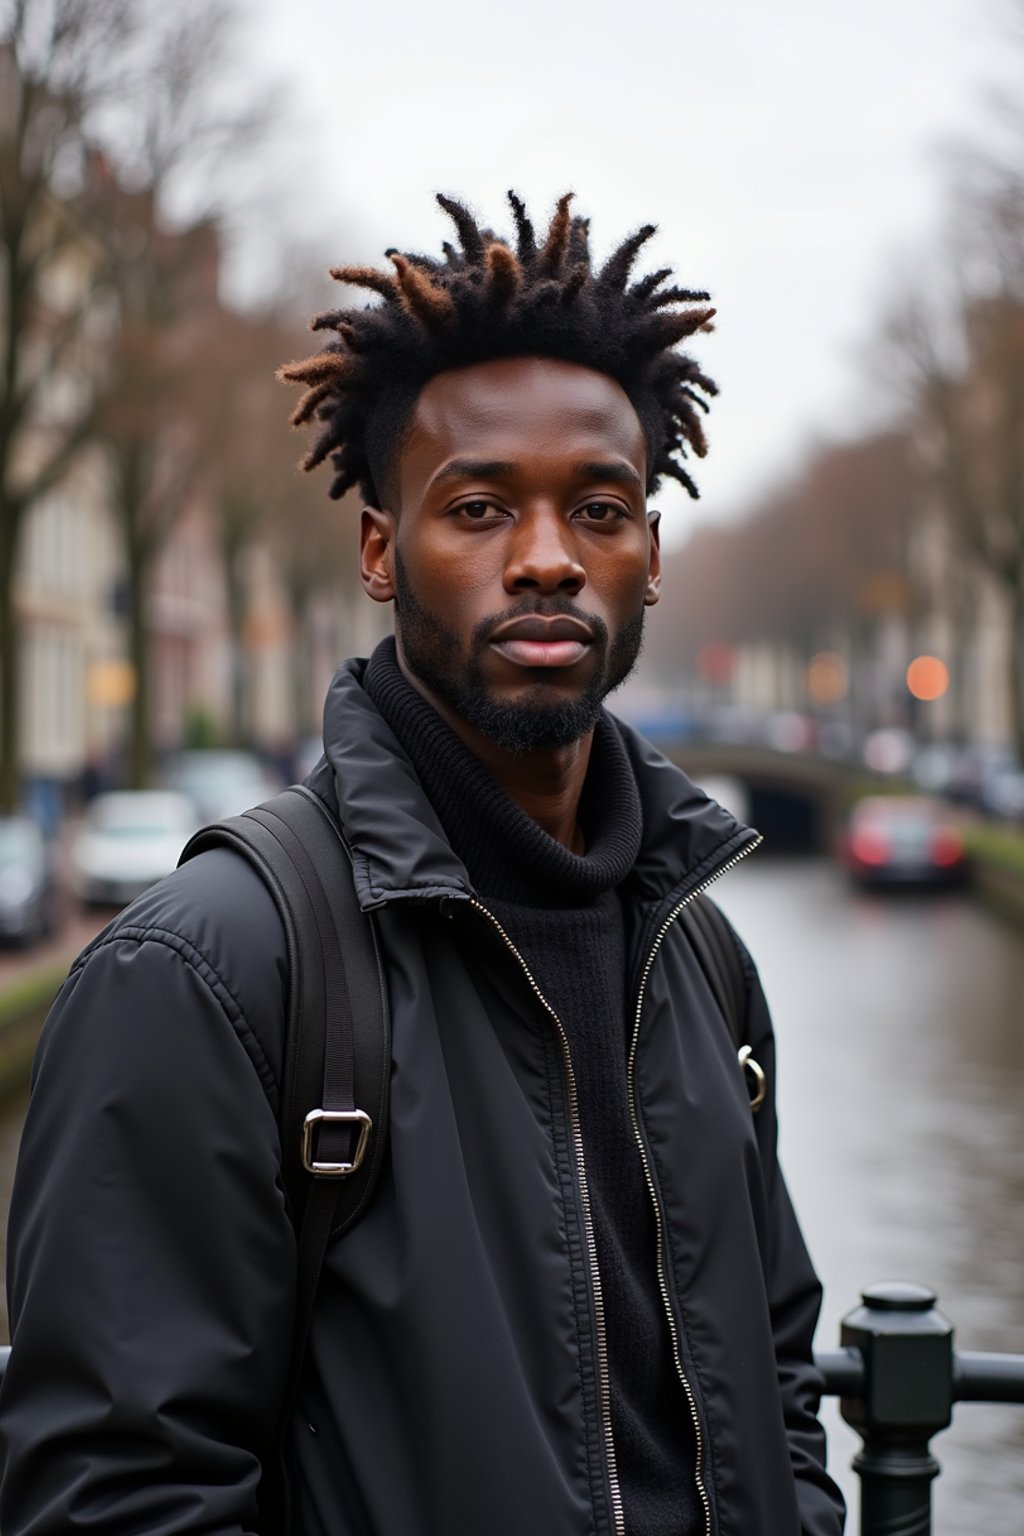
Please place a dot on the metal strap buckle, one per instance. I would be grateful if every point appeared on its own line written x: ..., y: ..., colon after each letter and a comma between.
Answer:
x: 757, y: 1083
x: 334, y: 1117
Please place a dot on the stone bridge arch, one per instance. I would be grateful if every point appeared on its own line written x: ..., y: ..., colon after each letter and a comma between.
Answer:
x: 795, y: 799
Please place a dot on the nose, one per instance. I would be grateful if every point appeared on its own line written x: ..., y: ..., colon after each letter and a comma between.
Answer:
x: 542, y: 556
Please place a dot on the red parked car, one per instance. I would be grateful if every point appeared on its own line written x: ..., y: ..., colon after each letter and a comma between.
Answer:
x: 904, y: 840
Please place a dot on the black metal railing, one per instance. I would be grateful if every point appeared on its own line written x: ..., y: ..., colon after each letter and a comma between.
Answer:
x: 897, y: 1377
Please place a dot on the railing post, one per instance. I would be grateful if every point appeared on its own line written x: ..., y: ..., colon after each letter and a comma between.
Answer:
x: 907, y: 1347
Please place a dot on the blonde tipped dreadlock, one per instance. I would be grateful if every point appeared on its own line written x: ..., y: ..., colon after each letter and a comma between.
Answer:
x: 488, y: 298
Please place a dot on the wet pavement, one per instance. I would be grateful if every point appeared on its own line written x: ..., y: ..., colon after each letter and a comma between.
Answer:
x: 901, y: 1036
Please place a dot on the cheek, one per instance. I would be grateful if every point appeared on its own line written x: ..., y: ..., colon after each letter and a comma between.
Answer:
x: 452, y: 572
x: 625, y: 583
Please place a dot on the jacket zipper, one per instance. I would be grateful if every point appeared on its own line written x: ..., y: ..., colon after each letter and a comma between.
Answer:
x: 600, y: 1332
x: 659, y: 1219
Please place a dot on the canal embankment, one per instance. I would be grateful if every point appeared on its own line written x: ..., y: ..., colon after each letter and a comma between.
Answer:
x: 23, y: 1005
x: 29, y: 981
x: 997, y: 869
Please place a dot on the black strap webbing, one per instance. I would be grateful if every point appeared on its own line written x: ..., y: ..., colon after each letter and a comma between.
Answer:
x: 337, y: 1054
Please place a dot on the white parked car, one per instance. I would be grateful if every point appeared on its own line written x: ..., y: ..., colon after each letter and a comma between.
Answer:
x: 128, y: 841
x: 220, y: 783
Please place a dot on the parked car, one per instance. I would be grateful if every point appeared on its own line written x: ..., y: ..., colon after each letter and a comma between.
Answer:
x: 986, y: 776
x: 128, y: 841
x: 1003, y: 794
x: 220, y: 783
x: 28, y: 882
x: 904, y: 840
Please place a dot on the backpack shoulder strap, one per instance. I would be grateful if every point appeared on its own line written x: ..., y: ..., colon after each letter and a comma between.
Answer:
x: 334, y: 1093
x: 337, y: 1060
x: 718, y: 953
x: 335, y: 1090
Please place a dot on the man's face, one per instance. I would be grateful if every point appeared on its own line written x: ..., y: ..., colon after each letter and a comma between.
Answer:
x: 521, y: 557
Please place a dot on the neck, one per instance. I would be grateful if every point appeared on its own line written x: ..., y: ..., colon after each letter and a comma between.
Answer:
x: 545, y: 784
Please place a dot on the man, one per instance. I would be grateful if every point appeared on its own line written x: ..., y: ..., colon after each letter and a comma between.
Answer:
x: 579, y: 1301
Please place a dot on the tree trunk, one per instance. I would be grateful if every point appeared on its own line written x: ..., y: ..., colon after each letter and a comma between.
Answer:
x: 12, y: 513
x: 130, y: 479
x: 140, y: 746
x: 236, y: 604
x: 1016, y: 646
x: 964, y: 630
x: 300, y: 595
x: 10, y: 520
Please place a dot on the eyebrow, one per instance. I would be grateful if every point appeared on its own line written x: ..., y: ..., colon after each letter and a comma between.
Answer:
x: 616, y: 471
x: 477, y: 469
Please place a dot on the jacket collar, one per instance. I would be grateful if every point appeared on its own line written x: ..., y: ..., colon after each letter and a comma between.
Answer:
x: 399, y: 849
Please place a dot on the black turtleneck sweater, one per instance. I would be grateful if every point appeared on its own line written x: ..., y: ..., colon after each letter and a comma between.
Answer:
x: 562, y: 911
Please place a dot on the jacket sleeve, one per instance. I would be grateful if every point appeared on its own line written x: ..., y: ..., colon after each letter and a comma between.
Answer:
x: 794, y: 1297
x: 151, y: 1257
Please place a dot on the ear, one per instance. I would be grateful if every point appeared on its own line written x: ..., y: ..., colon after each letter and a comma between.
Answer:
x: 653, y: 589
x: 376, y: 554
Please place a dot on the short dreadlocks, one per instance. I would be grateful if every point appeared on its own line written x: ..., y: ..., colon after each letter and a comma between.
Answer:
x: 488, y: 300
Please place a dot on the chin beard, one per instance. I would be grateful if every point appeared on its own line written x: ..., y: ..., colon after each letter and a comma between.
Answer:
x: 525, y: 727
x: 531, y: 724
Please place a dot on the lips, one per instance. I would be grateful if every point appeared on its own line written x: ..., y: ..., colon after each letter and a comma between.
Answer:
x: 534, y: 641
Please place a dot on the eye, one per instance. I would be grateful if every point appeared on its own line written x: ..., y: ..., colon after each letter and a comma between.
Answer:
x: 606, y: 512
x: 479, y: 511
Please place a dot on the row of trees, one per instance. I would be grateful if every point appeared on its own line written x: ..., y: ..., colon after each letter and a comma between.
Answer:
x: 839, y: 547
x: 827, y: 553
x: 115, y: 341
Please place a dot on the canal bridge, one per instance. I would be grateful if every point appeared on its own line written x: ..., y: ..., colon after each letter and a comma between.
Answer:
x: 797, y: 800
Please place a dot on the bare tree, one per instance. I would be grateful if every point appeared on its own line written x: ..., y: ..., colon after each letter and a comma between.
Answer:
x: 317, y: 541
x: 812, y: 563
x: 173, y: 132
x: 58, y: 68
x: 965, y: 369
x: 147, y: 422
x: 958, y: 346
x: 251, y: 486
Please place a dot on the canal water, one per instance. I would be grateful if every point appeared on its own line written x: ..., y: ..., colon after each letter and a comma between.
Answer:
x: 901, y: 1037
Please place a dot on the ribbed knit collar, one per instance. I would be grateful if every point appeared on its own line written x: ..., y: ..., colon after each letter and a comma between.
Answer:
x: 505, y: 852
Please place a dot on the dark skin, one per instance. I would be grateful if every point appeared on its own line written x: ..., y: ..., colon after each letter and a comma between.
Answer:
x: 521, y: 482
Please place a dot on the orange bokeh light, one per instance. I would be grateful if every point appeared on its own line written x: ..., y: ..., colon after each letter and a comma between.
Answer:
x: 927, y: 678
x: 827, y: 679
x: 110, y: 684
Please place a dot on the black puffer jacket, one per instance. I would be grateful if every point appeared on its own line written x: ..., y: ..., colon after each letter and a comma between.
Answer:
x: 456, y: 1383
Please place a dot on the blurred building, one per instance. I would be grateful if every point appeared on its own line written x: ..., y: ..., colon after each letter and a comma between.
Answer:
x: 967, y: 621
x: 71, y: 642
x: 68, y: 557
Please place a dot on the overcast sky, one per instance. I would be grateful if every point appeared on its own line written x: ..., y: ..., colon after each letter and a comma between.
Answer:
x: 790, y: 154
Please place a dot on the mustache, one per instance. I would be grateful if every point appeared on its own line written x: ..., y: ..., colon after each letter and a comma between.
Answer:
x: 539, y: 608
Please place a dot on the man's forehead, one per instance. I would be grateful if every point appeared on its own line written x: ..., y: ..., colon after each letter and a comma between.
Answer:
x: 488, y: 410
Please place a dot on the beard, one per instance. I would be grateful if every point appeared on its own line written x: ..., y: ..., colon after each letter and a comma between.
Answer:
x: 536, y: 721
